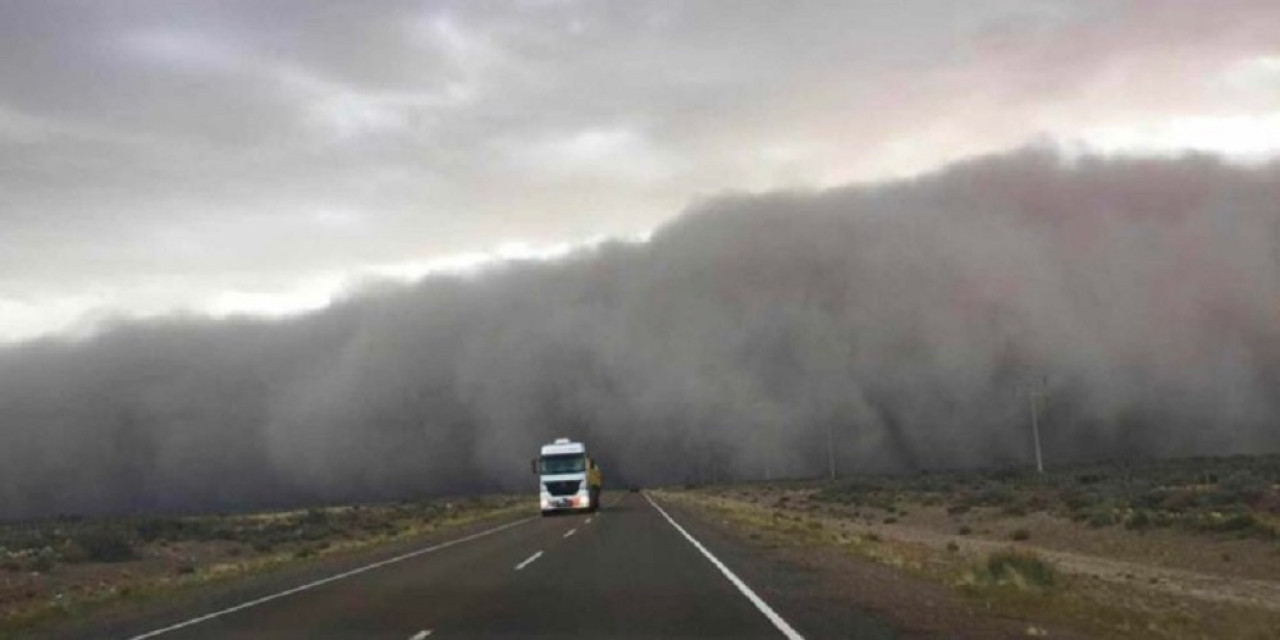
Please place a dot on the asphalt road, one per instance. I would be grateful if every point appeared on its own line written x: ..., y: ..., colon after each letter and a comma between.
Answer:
x: 632, y: 569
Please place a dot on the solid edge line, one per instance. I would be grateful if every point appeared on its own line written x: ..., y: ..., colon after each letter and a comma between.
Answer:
x: 760, y: 604
x: 322, y: 581
x: 528, y: 561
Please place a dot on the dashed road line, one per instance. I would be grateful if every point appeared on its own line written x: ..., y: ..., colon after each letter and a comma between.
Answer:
x: 589, y: 520
x: 787, y: 631
x: 421, y: 635
x: 528, y: 561
x: 332, y: 578
x: 570, y: 532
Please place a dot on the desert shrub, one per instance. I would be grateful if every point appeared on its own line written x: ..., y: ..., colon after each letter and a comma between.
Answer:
x: 1017, y: 568
x: 1241, y: 487
x: 159, y: 528
x: 1103, y: 516
x: 1180, y: 501
x: 958, y: 509
x: 1239, y: 523
x: 965, y: 530
x: 43, y: 562
x: 994, y: 496
x: 952, y: 546
x: 152, y: 529
x: 1140, y: 520
x: 1020, y: 534
x: 1078, y: 500
x: 105, y: 545
x: 1150, y: 499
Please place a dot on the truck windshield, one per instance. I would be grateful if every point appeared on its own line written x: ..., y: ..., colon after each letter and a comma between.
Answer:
x: 572, y: 463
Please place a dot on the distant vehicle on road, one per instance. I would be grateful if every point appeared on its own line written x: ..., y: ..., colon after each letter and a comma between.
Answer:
x: 568, y: 479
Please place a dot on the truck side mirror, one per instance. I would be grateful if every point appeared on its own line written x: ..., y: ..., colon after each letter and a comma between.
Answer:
x: 533, y: 465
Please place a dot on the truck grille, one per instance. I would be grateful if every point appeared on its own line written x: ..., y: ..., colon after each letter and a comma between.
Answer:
x: 563, y: 487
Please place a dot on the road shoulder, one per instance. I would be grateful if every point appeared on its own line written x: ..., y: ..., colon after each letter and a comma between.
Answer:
x: 831, y: 593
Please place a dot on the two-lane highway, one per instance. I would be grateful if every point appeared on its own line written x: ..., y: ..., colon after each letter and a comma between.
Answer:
x: 630, y: 570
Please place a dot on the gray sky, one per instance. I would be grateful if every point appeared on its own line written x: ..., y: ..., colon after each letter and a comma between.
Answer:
x: 259, y: 156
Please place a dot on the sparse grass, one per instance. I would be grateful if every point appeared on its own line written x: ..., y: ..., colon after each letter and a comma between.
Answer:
x: 1234, y: 496
x: 143, y: 557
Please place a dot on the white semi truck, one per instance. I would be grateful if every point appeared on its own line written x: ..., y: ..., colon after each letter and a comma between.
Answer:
x: 568, y: 479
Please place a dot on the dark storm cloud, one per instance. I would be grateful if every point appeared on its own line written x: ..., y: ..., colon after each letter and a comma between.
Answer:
x: 905, y: 317
x: 246, y: 145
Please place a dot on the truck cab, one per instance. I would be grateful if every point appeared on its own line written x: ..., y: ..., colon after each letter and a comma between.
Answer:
x: 568, y: 479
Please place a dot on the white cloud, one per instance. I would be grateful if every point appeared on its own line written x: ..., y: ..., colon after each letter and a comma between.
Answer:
x: 1242, y: 137
x: 616, y: 152
x: 1254, y: 76
x: 309, y: 295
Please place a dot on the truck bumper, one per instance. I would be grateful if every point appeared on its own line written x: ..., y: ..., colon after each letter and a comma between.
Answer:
x: 570, y: 503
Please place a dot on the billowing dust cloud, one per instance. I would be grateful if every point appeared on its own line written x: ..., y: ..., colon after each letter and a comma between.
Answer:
x: 904, y: 323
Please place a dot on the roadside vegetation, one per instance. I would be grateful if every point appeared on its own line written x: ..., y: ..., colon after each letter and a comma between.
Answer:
x: 1166, y: 549
x: 67, y: 565
x: 1236, y: 495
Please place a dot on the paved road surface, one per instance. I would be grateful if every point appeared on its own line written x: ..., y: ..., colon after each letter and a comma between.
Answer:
x: 630, y: 570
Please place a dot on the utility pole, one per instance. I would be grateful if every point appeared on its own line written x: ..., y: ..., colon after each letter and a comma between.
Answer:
x: 831, y: 450
x: 1035, y: 431
x: 1035, y: 390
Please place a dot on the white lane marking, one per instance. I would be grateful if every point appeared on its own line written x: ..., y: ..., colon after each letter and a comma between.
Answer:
x: 322, y: 581
x: 421, y: 635
x: 769, y: 613
x: 570, y: 532
x: 589, y: 520
x: 528, y: 561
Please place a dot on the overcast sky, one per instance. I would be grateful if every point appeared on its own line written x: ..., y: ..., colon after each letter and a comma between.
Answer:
x: 258, y: 156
